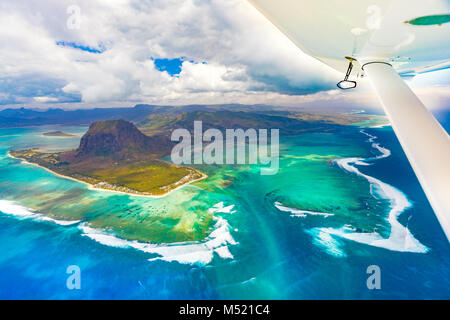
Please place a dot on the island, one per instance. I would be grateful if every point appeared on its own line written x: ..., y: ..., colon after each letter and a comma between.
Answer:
x: 58, y: 133
x: 114, y: 155
x: 124, y: 156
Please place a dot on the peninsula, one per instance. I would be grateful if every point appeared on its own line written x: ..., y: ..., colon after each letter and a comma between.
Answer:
x: 114, y: 155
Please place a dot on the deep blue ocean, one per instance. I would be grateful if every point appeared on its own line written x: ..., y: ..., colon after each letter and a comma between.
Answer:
x: 275, y: 252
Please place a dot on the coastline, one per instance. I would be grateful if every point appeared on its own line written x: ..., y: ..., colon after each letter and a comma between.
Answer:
x: 92, y: 187
x: 62, y: 137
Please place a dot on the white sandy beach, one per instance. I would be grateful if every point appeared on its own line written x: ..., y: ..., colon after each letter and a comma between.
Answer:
x: 92, y: 187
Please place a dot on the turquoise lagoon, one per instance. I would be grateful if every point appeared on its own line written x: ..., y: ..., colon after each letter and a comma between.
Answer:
x: 339, y: 203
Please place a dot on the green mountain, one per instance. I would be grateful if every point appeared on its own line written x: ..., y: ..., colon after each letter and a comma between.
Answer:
x: 159, y: 124
x: 119, y: 140
x: 115, y: 155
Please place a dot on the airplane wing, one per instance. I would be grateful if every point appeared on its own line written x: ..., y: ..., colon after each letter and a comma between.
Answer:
x: 383, y: 39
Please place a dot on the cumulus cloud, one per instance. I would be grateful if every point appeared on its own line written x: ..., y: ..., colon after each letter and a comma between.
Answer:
x: 105, y: 53
x: 102, y: 52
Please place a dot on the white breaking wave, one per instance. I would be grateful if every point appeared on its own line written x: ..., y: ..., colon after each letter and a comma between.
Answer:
x: 186, y: 252
x: 11, y: 208
x: 384, y: 152
x: 300, y: 213
x: 325, y: 240
x: 400, y: 238
x: 200, y: 252
x: 219, y: 207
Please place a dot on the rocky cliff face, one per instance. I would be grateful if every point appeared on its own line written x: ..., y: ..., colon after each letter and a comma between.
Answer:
x: 119, y: 140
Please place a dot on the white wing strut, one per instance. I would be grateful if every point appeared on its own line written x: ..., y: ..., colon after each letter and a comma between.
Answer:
x: 380, y: 31
x: 425, y: 142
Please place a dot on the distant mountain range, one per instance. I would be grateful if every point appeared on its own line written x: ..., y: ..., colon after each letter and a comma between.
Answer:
x: 164, y: 124
x: 144, y: 115
x: 29, y: 117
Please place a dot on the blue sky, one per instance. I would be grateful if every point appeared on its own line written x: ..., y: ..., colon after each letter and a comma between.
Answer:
x: 77, y: 46
x: 172, y: 66
x: 123, y: 52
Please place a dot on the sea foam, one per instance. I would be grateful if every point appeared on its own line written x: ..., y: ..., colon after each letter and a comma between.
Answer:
x: 323, y: 239
x: 11, y: 208
x: 400, y: 238
x: 220, y: 207
x: 300, y: 213
x: 199, y: 252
